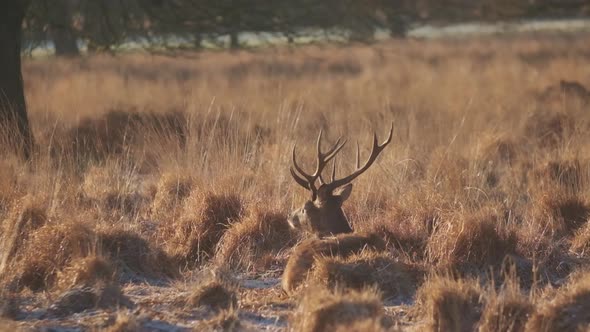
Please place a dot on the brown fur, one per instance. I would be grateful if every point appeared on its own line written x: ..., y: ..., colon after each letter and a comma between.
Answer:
x: 323, y: 216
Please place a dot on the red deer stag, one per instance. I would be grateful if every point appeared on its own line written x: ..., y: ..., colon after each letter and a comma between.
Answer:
x: 322, y: 215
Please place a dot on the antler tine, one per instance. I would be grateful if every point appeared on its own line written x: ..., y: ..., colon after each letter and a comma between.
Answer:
x: 333, y: 169
x: 324, y: 158
x: 358, y: 156
x: 375, y: 151
x: 388, y: 140
x: 307, y: 181
x: 299, y: 180
x: 322, y: 181
x: 331, y: 153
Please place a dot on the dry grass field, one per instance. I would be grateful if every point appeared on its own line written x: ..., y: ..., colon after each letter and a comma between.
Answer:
x: 157, y: 198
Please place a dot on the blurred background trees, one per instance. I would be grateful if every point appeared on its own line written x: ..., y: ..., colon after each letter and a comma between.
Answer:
x: 104, y: 25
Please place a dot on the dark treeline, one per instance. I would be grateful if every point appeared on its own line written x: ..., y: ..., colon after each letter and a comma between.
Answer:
x: 105, y: 24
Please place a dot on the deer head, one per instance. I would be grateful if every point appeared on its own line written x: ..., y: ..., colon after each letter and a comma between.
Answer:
x: 322, y: 215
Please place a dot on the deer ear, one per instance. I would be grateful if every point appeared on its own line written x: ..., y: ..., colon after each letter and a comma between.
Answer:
x: 344, y: 192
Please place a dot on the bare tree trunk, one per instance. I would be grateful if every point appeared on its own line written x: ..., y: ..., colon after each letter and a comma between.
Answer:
x: 14, y: 123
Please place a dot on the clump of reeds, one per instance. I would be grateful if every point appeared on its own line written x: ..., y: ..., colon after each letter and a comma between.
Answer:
x: 366, y: 269
x: 321, y: 310
x: 450, y: 305
x: 568, y: 311
x: 206, y: 217
x: 506, y: 309
x: 217, y: 292
x: 303, y: 256
x: 477, y: 239
x: 260, y: 235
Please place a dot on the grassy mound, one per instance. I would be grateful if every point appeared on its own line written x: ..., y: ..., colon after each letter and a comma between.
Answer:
x: 321, y: 310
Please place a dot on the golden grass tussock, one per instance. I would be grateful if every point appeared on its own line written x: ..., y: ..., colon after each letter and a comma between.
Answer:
x: 548, y: 130
x: 303, y: 256
x: 507, y: 309
x: 48, y: 250
x: 25, y: 216
x: 134, y: 253
x: 367, y: 269
x: 216, y: 292
x: 450, y: 305
x: 86, y: 271
x: 172, y: 189
x: 580, y: 243
x: 64, y: 253
x: 206, y: 217
x: 322, y: 310
x: 125, y: 322
x: 559, y: 214
x: 407, y: 224
x: 477, y: 239
x: 568, y: 311
x: 78, y: 299
x: 225, y: 320
x: 9, y: 191
x: 569, y: 175
x: 256, y: 238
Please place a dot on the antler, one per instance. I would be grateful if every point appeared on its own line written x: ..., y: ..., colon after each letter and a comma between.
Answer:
x: 306, y: 180
x: 375, y: 151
